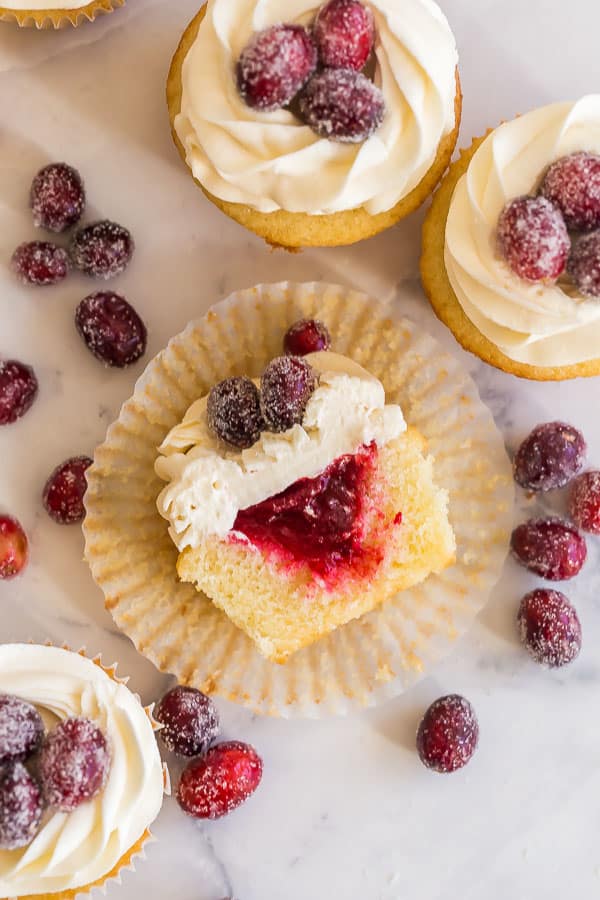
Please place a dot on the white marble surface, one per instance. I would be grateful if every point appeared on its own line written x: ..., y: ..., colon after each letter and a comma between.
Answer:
x: 345, y: 806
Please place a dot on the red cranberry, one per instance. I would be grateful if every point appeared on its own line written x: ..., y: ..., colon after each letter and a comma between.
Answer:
x: 190, y: 721
x: 14, y: 550
x: 57, y: 197
x: 40, y: 262
x: 344, y: 33
x: 64, y: 491
x: 74, y: 764
x: 20, y: 807
x: 551, y: 548
x: 111, y: 328
x: 550, y: 457
x: 103, y: 249
x: 584, y: 265
x: 572, y: 184
x: 275, y: 65
x: 549, y: 628
x: 233, y: 412
x: 221, y: 781
x: 286, y: 386
x: 18, y: 390
x: 533, y: 239
x: 342, y: 105
x: 448, y: 734
x: 21, y: 729
x: 306, y: 336
x: 585, y: 502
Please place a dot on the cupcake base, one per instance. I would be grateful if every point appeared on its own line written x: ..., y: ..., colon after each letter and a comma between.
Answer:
x: 59, y: 18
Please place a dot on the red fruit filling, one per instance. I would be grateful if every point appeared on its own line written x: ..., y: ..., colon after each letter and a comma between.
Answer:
x: 275, y: 65
x: 306, y: 336
x: 551, y: 548
x: 64, y: 491
x: 74, y: 764
x: 21, y: 729
x: 549, y: 627
x: 221, y: 781
x: 13, y: 553
x: 57, y: 197
x: 549, y: 457
x: 533, y: 239
x: 448, y: 734
x: 585, y: 502
x: 20, y: 807
x: 573, y: 185
x: 342, y: 105
x: 584, y: 265
x: 190, y: 721
x: 344, y: 32
x: 40, y: 262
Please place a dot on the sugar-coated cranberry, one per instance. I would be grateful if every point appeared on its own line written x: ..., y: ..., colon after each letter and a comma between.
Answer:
x: 572, y: 184
x: 74, y: 764
x: 40, y: 262
x: 275, y: 65
x: 584, y: 504
x: 342, y: 105
x: 20, y: 807
x: 111, y: 328
x: 18, y: 390
x: 102, y: 249
x: 14, y: 549
x: 448, y: 734
x: 533, y: 239
x: 64, y: 491
x: 551, y: 548
x: 286, y: 386
x: 549, y: 457
x: 190, y: 721
x: 221, y: 781
x: 344, y: 33
x: 21, y: 729
x: 306, y: 336
x: 57, y: 197
x: 584, y: 264
x: 233, y: 412
x: 549, y: 627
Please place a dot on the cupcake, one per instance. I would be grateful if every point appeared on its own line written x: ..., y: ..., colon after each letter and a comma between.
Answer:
x: 317, y: 126
x: 37, y: 13
x: 511, y: 245
x: 80, y: 766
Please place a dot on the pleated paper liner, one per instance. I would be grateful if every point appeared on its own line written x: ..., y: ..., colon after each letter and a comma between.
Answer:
x: 368, y: 660
x: 58, y: 18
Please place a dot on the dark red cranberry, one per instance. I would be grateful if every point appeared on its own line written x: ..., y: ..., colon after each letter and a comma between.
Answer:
x: 549, y: 457
x: 65, y: 489
x: 306, y: 336
x: 233, y: 412
x: 190, y: 721
x: 342, y: 105
x: 102, y: 250
x: 549, y: 627
x: 57, y: 197
x: 21, y: 729
x: 572, y: 184
x: 20, y: 807
x: 221, y: 781
x: 584, y: 265
x: 111, y: 328
x: 286, y: 386
x: 14, y: 548
x: 18, y: 390
x: 40, y: 262
x: 275, y: 65
x: 74, y: 764
x: 551, y: 548
x: 344, y: 33
x: 585, y: 502
x: 533, y: 239
x: 448, y: 734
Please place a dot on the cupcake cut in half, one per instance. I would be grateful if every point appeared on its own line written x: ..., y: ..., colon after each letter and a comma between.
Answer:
x: 55, y: 13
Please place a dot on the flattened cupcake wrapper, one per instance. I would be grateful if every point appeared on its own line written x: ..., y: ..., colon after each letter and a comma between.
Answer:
x: 58, y: 18
x: 368, y: 660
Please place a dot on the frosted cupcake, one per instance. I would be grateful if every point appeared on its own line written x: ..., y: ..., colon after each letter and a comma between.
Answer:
x: 37, y: 13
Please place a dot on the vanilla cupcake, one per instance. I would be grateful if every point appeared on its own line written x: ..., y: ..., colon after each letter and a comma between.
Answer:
x: 37, y: 13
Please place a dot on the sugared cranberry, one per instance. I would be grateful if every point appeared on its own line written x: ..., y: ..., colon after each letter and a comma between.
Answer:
x: 40, y: 262
x: 190, y: 721
x: 306, y: 336
x: 342, y: 105
x: 18, y: 390
x: 57, y: 197
x: 572, y: 184
x: 344, y: 33
x: 102, y: 250
x: 20, y: 807
x: 221, y: 781
x: 74, y: 764
x: 549, y: 627
x: 549, y: 457
x: 64, y: 491
x: 233, y: 412
x: 21, y: 729
x: 111, y: 328
x: 533, y: 239
x: 286, y: 386
x: 584, y: 265
x: 551, y: 548
x: 584, y: 504
x: 448, y: 734
x: 275, y: 65
x: 14, y: 549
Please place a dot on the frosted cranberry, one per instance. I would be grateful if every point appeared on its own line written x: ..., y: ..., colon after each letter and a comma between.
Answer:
x: 18, y: 390
x: 275, y: 65
x: 448, y: 734
x: 286, y: 386
x: 342, y: 105
x: 533, y: 239
x: 190, y: 721
x: 221, y: 781
x: 57, y: 197
x: 20, y: 807
x: 14, y: 549
x: 74, y: 764
x: 551, y: 548
x: 306, y: 336
x: 344, y: 33
x: 103, y: 249
x: 64, y: 491
x: 584, y: 265
x: 549, y: 627
x: 549, y: 457
x: 572, y: 184
x: 40, y: 262
x: 585, y: 502
x: 21, y: 729
x: 233, y: 412
x: 111, y: 328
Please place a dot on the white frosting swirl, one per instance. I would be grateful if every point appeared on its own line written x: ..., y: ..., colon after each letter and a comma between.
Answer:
x: 210, y: 484
x: 271, y: 161
x: 75, y: 849
x: 536, y: 324
x: 41, y: 5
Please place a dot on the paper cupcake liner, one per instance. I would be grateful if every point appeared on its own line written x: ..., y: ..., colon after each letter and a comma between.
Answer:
x: 59, y: 18
x: 368, y: 660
